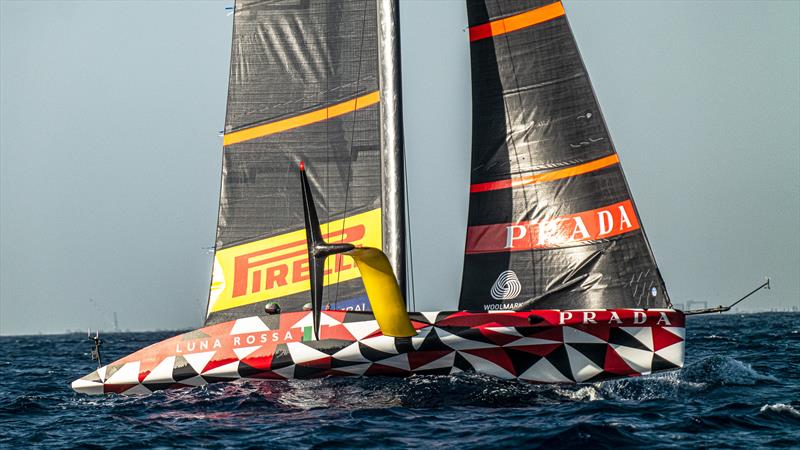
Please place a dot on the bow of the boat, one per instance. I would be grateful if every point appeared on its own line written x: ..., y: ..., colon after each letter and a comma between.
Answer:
x: 91, y: 383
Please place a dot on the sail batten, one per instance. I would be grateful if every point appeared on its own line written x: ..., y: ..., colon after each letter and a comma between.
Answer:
x: 547, y: 193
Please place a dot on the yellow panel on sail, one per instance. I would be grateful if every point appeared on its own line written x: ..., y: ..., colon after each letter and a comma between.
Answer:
x: 277, y: 266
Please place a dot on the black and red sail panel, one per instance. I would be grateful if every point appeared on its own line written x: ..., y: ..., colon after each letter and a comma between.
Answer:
x: 551, y: 219
x: 303, y: 87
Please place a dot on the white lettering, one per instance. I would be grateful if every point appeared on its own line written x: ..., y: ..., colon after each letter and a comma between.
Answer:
x: 663, y: 319
x: 204, y: 345
x: 237, y: 341
x: 615, y: 317
x: 588, y: 317
x: 178, y: 348
x: 288, y: 336
x: 250, y: 339
x: 564, y: 316
x: 275, y: 336
x: 511, y: 236
x: 190, y: 346
x: 579, y: 228
x: 501, y: 307
x: 263, y: 338
x: 606, y: 222
x: 548, y: 231
x: 639, y: 317
x: 217, y: 343
x: 624, y: 222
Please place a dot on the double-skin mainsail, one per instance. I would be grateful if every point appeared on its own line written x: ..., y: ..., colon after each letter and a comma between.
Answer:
x: 304, y: 86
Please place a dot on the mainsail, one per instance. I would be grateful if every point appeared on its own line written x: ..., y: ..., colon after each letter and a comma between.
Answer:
x: 303, y: 87
x: 551, y: 220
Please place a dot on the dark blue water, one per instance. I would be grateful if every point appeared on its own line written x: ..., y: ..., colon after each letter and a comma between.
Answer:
x: 739, y: 389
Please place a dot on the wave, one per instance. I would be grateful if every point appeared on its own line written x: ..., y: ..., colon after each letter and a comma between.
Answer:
x: 700, y: 376
x: 781, y: 408
x: 22, y: 405
x: 432, y: 391
x: 723, y: 370
x: 780, y: 413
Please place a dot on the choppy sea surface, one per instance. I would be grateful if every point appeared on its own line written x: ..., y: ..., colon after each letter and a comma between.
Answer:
x: 740, y: 389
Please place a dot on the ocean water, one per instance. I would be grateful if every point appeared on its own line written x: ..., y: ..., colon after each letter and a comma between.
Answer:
x: 740, y: 389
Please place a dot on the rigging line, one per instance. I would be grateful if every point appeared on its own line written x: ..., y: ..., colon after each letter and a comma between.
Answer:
x: 511, y: 137
x: 326, y: 200
x: 410, y: 259
x: 350, y: 152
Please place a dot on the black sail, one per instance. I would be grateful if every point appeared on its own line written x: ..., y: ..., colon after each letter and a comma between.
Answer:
x: 303, y: 87
x: 551, y: 220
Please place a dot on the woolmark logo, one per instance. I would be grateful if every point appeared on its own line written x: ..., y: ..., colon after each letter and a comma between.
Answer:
x: 506, y: 287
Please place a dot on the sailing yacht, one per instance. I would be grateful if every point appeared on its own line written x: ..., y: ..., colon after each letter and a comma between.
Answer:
x: 559, y: 285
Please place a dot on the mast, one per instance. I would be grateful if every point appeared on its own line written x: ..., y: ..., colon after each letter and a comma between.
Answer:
x: 391, y: 132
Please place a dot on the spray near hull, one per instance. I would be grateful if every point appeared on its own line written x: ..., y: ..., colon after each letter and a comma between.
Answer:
x: 540, y: 346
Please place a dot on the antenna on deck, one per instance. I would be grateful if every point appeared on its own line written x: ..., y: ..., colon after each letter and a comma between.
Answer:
x: 96, y: 349
x: 721, y: 309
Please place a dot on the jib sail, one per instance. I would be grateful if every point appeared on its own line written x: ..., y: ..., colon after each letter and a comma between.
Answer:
x: 303, y: 87
x: 551, y: 220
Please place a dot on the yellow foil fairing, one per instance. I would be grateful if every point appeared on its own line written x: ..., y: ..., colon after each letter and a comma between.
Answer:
x: 384, y: 294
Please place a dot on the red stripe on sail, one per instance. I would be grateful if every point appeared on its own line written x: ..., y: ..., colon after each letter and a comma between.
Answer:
x: 516, y: 22
x: 551, y: 175
x: 564, y: 231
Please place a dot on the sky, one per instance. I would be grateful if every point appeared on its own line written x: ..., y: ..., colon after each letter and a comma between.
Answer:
x: 110, y: 154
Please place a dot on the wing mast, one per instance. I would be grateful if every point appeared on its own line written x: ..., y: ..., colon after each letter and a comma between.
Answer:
x: 391, y: 132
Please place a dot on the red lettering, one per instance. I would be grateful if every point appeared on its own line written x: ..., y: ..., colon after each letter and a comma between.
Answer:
x: 277, y: 274
x: 299, y: 271
x: 257, y: 281
x: 339, y: 264
x: 261, y: 261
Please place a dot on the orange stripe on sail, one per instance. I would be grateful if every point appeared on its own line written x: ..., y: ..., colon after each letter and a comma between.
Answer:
x: 301, y: 120
x: 552, y: 175
x: 516, y: 22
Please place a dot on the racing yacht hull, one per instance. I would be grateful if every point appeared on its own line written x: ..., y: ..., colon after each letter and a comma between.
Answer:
x: 540, y: 346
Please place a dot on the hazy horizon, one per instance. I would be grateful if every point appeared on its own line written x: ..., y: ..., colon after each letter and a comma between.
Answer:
x: 110, y: 158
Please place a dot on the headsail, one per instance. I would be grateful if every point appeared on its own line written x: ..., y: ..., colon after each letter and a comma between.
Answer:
x: 552, y: 223
x: 303, y: 86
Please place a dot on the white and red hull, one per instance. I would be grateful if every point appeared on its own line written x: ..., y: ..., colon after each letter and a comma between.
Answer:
x: 541, y: 346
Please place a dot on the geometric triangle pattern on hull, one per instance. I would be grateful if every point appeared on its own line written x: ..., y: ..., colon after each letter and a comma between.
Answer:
x: 541, y: 346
